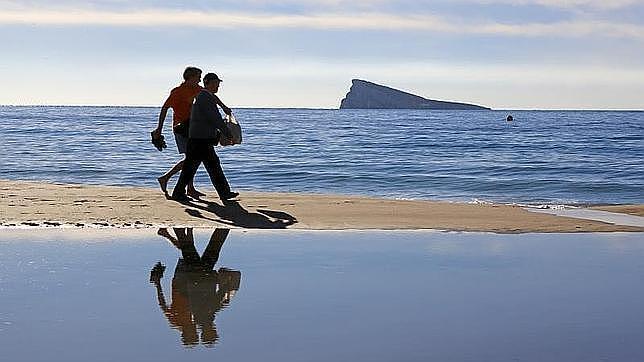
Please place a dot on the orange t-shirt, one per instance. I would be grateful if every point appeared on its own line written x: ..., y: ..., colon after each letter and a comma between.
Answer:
x: 180, y: 100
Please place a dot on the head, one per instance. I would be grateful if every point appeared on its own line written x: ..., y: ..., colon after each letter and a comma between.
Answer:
x: 211, y: 82
x: 192, y: 75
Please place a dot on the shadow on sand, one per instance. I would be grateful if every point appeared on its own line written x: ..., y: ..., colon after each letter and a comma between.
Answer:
x: 232, y: 213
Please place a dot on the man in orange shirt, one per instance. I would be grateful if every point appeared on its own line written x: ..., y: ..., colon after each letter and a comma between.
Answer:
x: 180, y: 100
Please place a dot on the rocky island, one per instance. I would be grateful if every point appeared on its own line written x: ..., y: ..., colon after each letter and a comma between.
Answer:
x: 367, y: 95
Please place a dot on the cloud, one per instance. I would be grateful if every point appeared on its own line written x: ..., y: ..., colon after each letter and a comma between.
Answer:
x: 441, y: 71
x: 329, y: 21
x: 596, y: 4
x: 322, y: 4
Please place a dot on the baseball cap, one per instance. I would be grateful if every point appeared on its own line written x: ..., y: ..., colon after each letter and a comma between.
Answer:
x: 210, y: 77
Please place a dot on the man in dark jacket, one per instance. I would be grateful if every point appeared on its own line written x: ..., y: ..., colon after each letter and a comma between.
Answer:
x: 205, y: 127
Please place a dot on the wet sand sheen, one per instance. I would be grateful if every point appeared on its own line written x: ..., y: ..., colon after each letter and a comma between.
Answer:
x: 45, y: 204
x: 233, y: 295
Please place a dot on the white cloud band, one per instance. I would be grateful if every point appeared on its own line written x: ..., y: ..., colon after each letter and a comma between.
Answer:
x: 596, y: 4
x: 363, y: 21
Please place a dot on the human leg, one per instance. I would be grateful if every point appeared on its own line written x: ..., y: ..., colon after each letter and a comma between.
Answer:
x: 216, y: 173
x: 182, y: 142
x: 190, y: 190
x: 190, y: 166
x: 182, y: 146
x: 163, y: 180
x: 211, y: 253
x: 186, y: 243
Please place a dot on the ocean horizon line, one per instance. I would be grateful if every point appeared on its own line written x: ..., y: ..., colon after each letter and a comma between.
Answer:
x: 335, y: 109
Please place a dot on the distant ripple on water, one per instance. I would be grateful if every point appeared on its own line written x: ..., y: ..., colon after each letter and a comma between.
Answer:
x: 565, y: 157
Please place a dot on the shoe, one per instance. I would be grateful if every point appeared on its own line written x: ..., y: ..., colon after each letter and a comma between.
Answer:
x: 158, y: 142
x: 180, y: 198
x: 228, y: 196
x: 195, y: 194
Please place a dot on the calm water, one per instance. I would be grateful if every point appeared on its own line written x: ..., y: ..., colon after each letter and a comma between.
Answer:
x: 320, y: 296
x: 542, y: 157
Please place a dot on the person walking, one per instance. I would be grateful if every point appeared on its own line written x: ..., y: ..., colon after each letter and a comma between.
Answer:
x: 180, y: 100
x: 206, y: 126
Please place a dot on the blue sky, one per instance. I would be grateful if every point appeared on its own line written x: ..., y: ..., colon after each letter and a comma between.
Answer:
x: 546, y: 54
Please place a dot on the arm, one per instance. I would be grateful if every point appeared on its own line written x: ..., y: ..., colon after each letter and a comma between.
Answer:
x: 156, y: 274
x: 210, y: 109
x: 162, y: 115
x: 161, y: 299
x: 221, y: 104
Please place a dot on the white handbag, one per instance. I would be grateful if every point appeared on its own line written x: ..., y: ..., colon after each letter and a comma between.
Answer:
x: 235, y: 130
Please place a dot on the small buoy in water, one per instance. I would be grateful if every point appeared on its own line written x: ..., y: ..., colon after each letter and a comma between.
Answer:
x: 510, y: 118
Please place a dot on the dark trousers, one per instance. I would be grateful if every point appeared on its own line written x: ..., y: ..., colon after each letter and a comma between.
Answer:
x: 198, y: 151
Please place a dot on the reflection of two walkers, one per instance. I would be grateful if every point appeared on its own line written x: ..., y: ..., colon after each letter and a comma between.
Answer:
x: 198, y: 290
x: 197, y: 127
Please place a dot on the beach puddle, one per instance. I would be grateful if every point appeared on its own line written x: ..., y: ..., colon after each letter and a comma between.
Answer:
x: 192, y: 295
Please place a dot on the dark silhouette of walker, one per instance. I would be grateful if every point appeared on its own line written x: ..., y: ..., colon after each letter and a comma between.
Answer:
x: 198, y: 291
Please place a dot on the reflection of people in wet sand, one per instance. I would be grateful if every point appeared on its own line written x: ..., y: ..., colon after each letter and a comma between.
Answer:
x: 198, y: 291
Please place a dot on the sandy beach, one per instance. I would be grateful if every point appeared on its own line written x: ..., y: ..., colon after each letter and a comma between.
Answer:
x: 636, y: 210
x: 40, y: 204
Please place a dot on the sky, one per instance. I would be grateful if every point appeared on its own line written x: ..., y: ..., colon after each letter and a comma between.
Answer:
x: 504, y: 54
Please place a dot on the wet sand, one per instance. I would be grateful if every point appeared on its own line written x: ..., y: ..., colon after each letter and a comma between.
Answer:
x: 103, y: 295
x: 636, y: 210
x: 40, y: 204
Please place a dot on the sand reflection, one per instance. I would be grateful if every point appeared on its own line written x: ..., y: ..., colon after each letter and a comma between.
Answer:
x: 198, y: 290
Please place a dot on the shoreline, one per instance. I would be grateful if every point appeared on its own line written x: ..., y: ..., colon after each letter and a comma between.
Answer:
x: 35, y: 204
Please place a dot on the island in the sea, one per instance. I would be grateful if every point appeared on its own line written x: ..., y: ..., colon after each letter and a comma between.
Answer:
x: 368, y: 95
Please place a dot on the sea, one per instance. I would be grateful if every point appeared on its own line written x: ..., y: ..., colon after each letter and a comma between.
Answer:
x: 542, y: 158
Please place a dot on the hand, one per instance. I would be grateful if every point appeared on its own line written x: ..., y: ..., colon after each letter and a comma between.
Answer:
x: 156, y: 133
x: 156, y: 274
